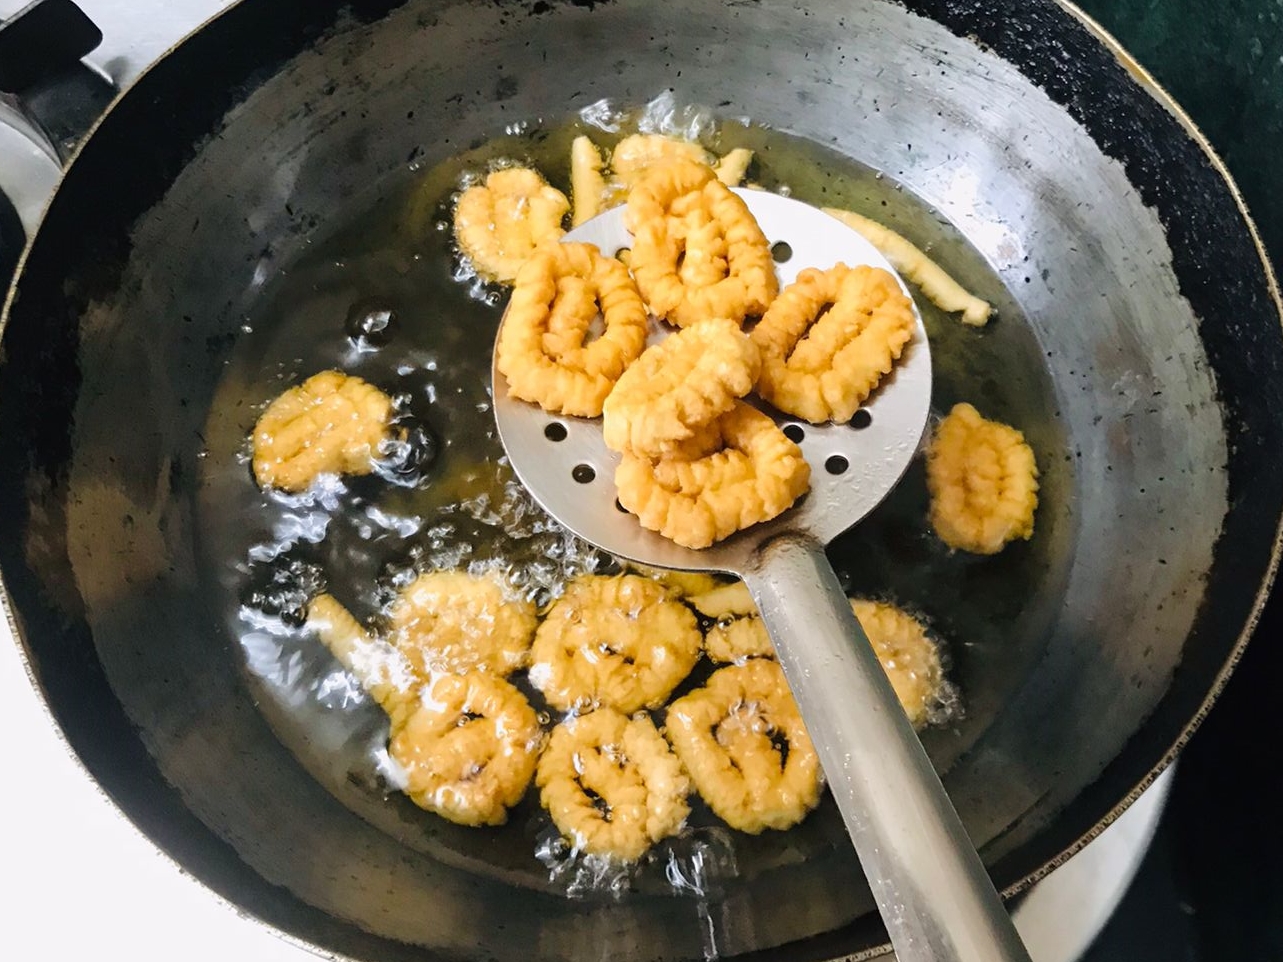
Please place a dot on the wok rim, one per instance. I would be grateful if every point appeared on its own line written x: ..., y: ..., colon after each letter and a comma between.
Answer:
x: 1139, y: 75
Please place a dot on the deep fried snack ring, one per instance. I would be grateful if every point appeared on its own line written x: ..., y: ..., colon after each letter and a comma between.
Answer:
x: 611, y: 784
x: 587, y: 184
x: 453, y: 621
x: 983, y: 482
x: 725, y: 601
x: 941, y: 289
x: 330, y: 424
x: 822, y: 370
x: 678, y: 386
x: 614, y: 641
x: 543, y: 349
x: 499, y: 223
x: 637, y: 153
x: 909, y: 657
x: 379, y: 668
x: 725, y: 734
x: 470, y: 751
x: 697, y: 249
x: 755, y: 476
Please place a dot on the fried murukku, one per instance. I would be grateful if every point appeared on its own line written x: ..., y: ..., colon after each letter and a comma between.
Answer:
x: 469, y: 752
x: 499, y: 223
x: 679, y: 386
x: 983, y: 482
x: 733, y: 166
x: 637, y: 153
x: 725, y: 601
x: 614, y: 641
x: 756, y: 474
x: 378, y: 667
x: 697, y: 249
x: 732, y: 640
x: 909, y: 657
x: 941, y: 289
x: 611, y: 784
x: 545, y: 347
x: 587, y: 184
x: 332, y: 423
x: 456, y: 622
x: 742, y: 740
x: 829, y: 338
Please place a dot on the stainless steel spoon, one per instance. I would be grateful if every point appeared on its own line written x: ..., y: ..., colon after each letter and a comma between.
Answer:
x: 931, y: 888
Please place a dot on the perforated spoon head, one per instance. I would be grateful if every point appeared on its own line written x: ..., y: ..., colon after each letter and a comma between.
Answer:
x: 567, y: 468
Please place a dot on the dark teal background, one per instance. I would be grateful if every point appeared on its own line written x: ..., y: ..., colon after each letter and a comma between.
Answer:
x: 1222, y: 61
x: 1211, y: 888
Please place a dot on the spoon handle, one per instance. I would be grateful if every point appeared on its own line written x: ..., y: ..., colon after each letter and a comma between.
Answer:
x: 935, y: 897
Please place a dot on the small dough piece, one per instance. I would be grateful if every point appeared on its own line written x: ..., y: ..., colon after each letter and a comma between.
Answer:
x: 470, y: 751
x: 733, y: 167
x: 332, y: 423
x: 378, y: 667
x: 499, y: 223
x: 637, y: 153
x: 909, y: 657
x: 456, y: 622
x: 697, y: 249
x: 725, y: 601
x: 941, y: 289
x: 983, y: 482
x: 587, y: 185
x: 756, y: 474
x: 683, y: 584
x: 732, y: 640
x: 726, y: 735
x: 678, y: 386
x: 544, y: 350
x: 615, y: 641
x: 823, y: 369
x: 612, y: 785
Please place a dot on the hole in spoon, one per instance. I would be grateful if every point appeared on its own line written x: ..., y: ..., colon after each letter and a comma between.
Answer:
x: 556, y: 431
x: 794, y: 433
x: 583, y: 473
x: 836, y: 464
x: 781, y: 251
x: 623, y: 253
x: 861, y: 419
x: 619, y: 506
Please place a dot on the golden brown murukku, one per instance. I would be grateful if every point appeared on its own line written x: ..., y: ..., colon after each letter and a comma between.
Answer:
x: 682, y: 584
x: 332, y: 423
x: 469, y: 752
x: 732, y: 640
x: 697, y: 249
x: 756, y: 474
x: 614, y: 641
x: 983, y: 482
x: 909, y: 657
x: 732, y: 168
x: 941, y: 289
x: 638, y: 153
x: 499, y: 223
x: 679, y: 386
x: 725, y: 601
x: 829, y: 338
x: 742, y: 740
x: 546, y: 351
x: 453, y: 621
x: 611, y: 784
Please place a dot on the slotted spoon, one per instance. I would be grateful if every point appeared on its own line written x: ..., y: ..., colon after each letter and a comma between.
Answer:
x: 931, y: 888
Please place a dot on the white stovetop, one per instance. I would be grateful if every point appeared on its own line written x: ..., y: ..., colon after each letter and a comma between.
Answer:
x: 79, y: 881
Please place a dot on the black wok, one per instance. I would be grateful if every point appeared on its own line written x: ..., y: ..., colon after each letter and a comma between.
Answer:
x: 1130, y: 278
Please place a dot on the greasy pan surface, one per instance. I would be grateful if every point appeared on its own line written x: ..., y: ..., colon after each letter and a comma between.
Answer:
x: 1109, y: 229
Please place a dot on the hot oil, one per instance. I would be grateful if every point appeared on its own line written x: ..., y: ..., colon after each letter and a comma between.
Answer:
x: 383, y: 294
